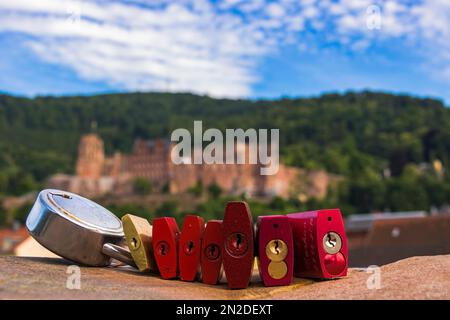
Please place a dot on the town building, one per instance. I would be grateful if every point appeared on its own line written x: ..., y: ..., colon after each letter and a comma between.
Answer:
x: 382, y: 238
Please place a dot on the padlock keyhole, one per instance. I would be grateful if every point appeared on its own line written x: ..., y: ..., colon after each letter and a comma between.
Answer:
x: 189, y: 247
x: 163, y: 249
x: 212, y: 252
x: 134, y: 242
x: 276, y: 250
x: 277, y: 247
x: 331, y: 241
x: 237, y: 244
x: 238, y: 241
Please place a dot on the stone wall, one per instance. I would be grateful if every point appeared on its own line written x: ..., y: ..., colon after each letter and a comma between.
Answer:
x: 98, y: 175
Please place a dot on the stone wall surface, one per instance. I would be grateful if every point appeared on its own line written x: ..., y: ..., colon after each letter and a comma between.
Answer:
x: 46, y: 278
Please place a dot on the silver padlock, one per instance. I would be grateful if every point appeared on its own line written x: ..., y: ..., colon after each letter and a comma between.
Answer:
x: 77, y: 229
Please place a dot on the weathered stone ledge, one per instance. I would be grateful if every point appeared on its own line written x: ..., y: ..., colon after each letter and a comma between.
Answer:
x: 46, y: 278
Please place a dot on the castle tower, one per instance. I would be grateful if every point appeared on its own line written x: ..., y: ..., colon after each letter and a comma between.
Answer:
x: 91, y: 156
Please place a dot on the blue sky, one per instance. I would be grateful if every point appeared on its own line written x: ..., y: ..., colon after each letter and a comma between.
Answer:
x: 230, y: 48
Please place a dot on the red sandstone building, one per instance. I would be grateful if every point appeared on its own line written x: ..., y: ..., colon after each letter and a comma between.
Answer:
x: 97, y: 174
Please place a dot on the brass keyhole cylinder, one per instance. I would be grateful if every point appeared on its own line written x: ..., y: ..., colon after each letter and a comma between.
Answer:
x: 135, y: 244
x: 276, y: 250
x: 332, y: 242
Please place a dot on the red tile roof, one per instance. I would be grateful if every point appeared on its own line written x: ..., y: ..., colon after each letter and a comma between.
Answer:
x: 10, y: 239
x: 394, y: 239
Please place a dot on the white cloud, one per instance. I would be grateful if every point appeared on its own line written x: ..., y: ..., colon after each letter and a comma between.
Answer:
x: 209, y: 48
x: 275, y: 10
x: 135, y: 48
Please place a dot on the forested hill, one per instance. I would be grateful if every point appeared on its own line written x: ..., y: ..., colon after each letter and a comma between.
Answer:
x: 357, y: 135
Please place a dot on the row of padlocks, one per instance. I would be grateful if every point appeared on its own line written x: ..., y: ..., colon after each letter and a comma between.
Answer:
x: 308, y: 245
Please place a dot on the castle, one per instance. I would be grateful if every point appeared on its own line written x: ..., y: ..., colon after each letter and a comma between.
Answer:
x: 97, y: 174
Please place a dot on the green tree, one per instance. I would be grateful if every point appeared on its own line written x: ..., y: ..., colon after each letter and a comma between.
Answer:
x: 167, y: 209
x: 214, y: 190
x: 197, y: 189
x: 142, y: 186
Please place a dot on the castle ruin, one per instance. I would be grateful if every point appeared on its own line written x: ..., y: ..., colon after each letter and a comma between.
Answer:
x: 97, y: 174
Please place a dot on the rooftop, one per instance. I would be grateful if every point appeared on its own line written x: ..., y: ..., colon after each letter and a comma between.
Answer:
x: 364, y: 221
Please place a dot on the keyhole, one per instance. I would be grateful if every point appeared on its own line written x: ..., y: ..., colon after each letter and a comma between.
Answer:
x: 189, y: 247
x: 237, y: 244
x: 238, y: 240
x: 331, y: 241
x: 134, y: 242
x: 212, y: 252
x: 163, y: 248
x: 277, y: 248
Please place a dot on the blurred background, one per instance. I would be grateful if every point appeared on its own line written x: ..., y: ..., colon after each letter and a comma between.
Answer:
x: 91, y: 91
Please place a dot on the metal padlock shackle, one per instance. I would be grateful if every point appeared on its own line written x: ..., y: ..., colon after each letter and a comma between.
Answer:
x: 119, y: 253
x: 77, y: 229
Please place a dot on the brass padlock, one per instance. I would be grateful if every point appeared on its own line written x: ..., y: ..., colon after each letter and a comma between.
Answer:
x: 138, y: 234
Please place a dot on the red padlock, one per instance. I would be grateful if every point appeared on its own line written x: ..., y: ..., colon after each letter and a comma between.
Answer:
x: 190, y: 247
x: 211, y: 258
x: 320, y: 244
x: 275, y: 250
x: 238, y: 245
x: 165, y: 246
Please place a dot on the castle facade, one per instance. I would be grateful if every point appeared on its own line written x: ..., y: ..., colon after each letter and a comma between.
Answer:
x: 97, y: 174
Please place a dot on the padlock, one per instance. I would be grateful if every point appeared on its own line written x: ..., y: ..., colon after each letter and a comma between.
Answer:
x: 320, y: 244
x: 138, y: 233
x: 77, y: 229
x: 165, y: 246
x: 275, y: 250
x: 238, y: 244
x: 211, y: 257
x: 189, y: 247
